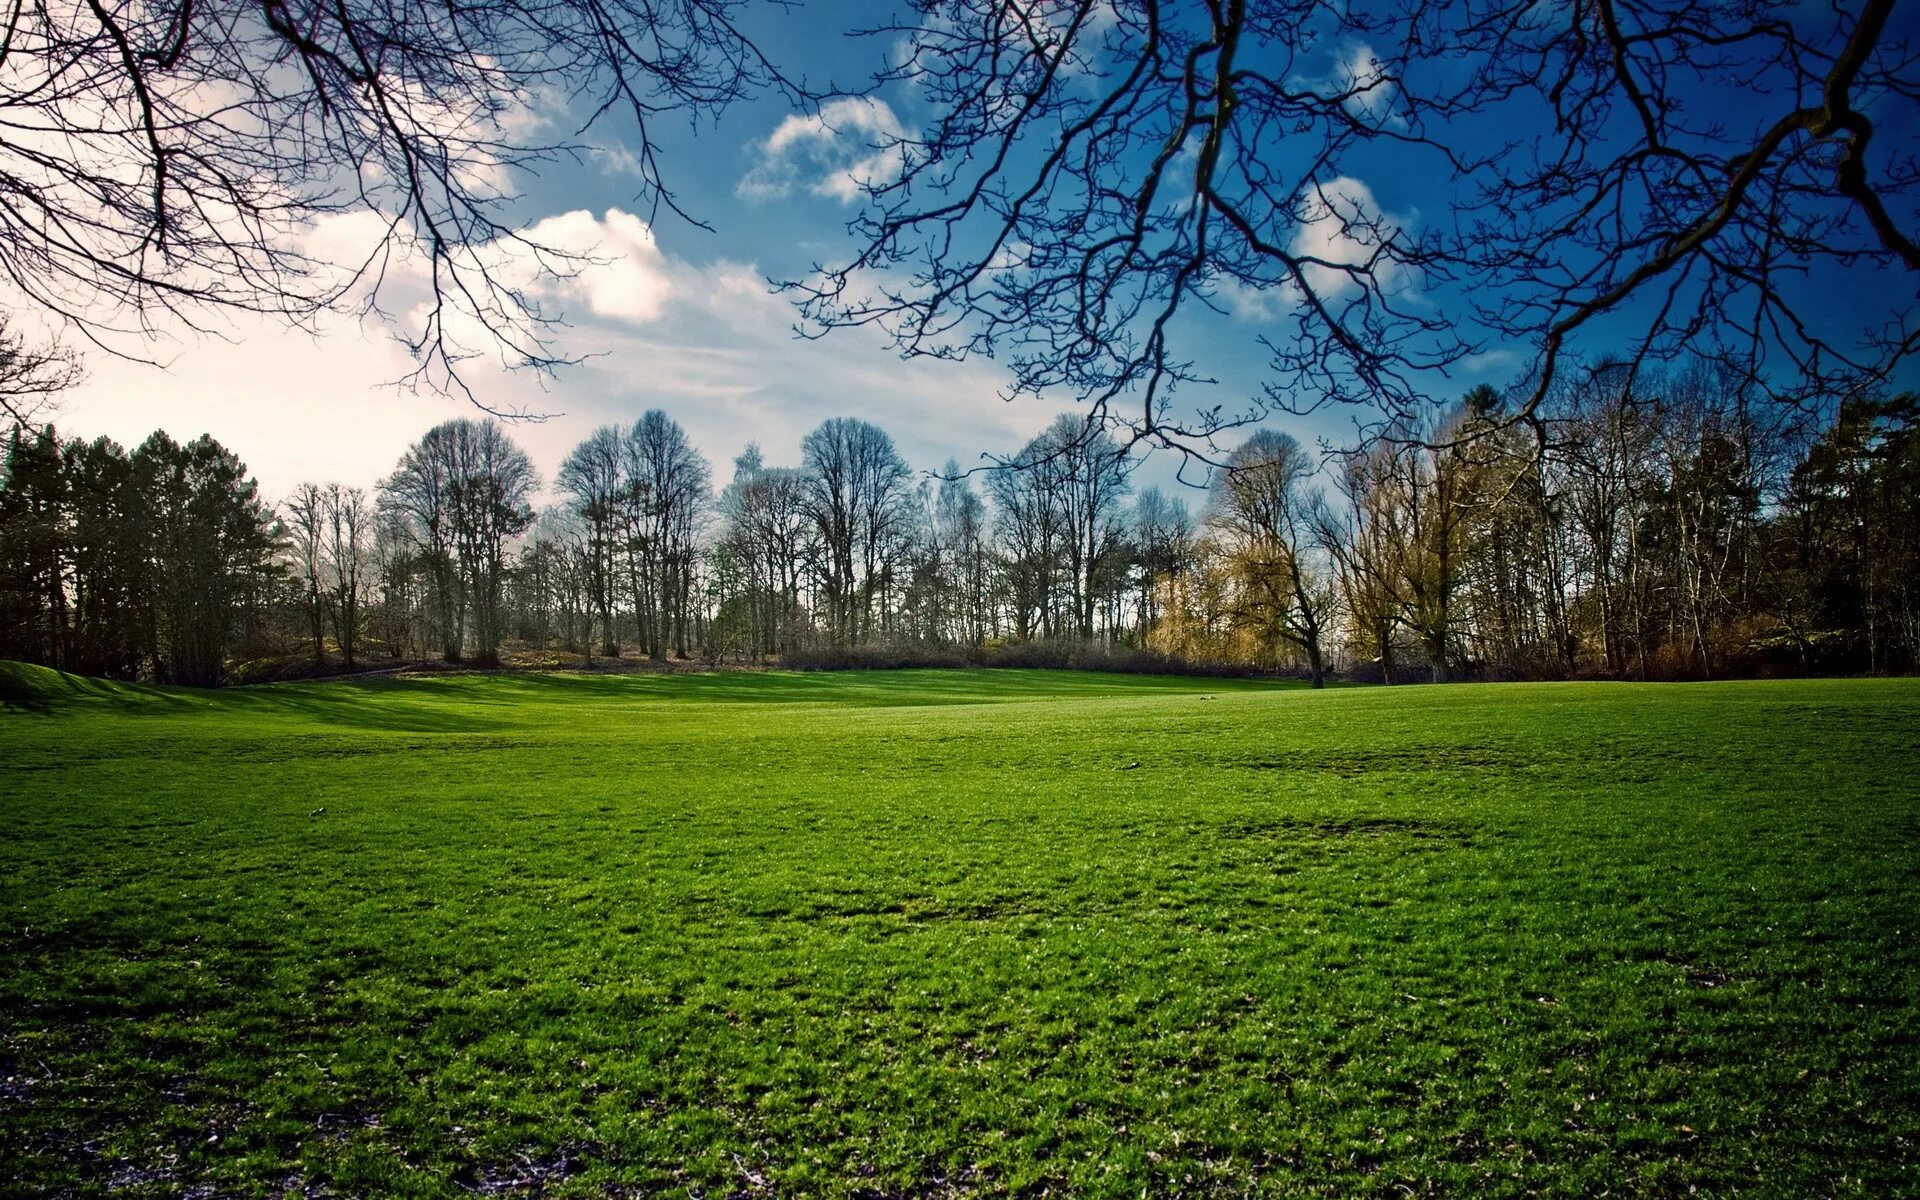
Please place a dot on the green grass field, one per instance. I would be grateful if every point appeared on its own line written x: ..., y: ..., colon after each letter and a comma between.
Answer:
x: 932, y: 934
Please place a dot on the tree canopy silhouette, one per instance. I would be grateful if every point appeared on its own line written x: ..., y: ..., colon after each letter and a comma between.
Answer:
x: 1686, y: 174
x: 161, y: 161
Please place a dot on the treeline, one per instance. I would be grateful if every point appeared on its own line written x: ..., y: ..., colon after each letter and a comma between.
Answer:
x: 162, y: 563
x: 1662, y: 531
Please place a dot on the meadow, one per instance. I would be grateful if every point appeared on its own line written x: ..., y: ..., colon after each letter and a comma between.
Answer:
x: 958, y: 933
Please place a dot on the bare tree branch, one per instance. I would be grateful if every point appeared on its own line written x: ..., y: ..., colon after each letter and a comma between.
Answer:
x: 1096, y: 176
x: 161, y: 162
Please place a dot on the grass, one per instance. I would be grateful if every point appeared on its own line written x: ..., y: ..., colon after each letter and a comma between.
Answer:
x: 929, y: 934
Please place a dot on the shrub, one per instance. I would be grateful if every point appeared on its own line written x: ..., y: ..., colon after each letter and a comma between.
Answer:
x: 1051, y: 654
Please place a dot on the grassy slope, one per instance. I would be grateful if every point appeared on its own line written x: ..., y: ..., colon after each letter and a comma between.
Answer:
x: 927, y: 933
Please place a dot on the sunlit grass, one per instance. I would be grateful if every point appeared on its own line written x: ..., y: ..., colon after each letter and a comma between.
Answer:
x: 959, y: 932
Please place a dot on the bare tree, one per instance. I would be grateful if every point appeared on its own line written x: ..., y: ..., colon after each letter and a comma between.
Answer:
x: 591, y: 475
x: 1663, y: 531
x: 419, y: 499
x: 1361, y: 540
x: 493, y: 484
x: 766, y: 522
x: 1162, y: 531
x: 961, y: 525
x: 1267, y: 510
x: 31, y: 379
x: 1096, y: 172
x: 461, y: 494
x: 349, y: 538
x: 856, y: 488
x: 554, y: 577
x: 164, y: 159
x: 1605, y: 444
x: 665, y: 487
x: 306, y: 524
x: 1030, y: 525
x: 394, y: 618
x: 1410, y: 507
x: 1093, y: 471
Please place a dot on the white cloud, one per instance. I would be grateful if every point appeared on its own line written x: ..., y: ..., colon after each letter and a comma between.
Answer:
x: 1246, y: 301
x: 1341, y: 225
x: 570, y: 266
x: 1338, y: 223
x: 622, y: 274
x: 473, y: 130
x: 1375, y: 96
x: 707, y: 342
x: 851, y: 144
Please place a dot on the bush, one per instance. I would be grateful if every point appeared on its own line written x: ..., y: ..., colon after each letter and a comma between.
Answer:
x: 1050, y: 655
x: 876, y: 656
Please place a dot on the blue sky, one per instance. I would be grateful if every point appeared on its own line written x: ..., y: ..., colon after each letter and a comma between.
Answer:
x: 681, y: 318
x: 714, y: 348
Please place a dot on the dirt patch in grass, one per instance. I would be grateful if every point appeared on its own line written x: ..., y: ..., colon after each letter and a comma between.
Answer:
x: 1342, y: 828
x: 1407, y: 758
x: 526, y: 1175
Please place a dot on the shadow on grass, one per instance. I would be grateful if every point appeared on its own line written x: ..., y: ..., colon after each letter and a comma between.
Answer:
x: 25, y: 687
x: 484, y: 703
x: 41, y: 691
x: 362, y: 706
x: 481, y: 702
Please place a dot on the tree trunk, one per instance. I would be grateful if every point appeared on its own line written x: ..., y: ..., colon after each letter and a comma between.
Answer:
x: 319, y: 612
